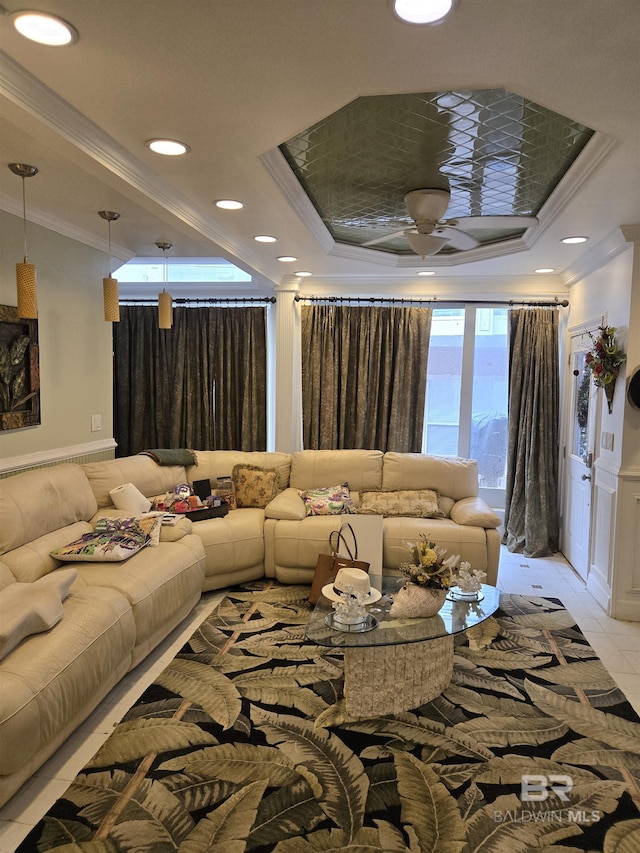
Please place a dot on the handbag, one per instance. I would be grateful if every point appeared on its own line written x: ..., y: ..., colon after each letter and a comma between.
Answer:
x: 327, y: 565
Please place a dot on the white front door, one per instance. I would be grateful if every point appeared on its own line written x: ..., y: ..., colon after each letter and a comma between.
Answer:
x: 579, y: 446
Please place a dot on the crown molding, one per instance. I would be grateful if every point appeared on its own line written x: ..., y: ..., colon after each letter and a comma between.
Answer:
x: 276, y: 165
x: 600, y: 254
x: 30, y: 94
x: 59, y: 226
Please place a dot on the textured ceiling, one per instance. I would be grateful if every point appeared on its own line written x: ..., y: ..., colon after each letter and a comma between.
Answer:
x: 495, y: 151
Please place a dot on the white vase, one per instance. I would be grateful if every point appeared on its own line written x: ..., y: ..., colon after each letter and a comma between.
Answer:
x: 413, y: 601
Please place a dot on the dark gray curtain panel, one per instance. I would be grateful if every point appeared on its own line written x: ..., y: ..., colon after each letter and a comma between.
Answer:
x: 364, y: 374
x: 531, y: 506
x: 201, y: 384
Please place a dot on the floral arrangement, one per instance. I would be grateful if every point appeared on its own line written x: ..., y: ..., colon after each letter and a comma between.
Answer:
x: 605, y: 359
x: 430, y: 566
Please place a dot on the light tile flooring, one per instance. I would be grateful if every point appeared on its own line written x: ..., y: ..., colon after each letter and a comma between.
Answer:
x: 616, y: 643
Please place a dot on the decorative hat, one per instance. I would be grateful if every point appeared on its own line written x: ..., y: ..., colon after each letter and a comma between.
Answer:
x: 354, y: 578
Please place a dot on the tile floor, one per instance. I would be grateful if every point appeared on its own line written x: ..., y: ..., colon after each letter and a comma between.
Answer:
x: 616, y: 643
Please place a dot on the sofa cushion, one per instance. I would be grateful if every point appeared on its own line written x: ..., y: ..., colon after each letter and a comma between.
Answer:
x: 475, y: 512
x: 330, y: 500
x: 287, y: 505
x: 30, y: 608
x: 312, y: 469
x: 213, y: 464
x: 253, y: 486
x: 148, y: 477
x: 417, y: 503
x: 448, y: 475
x: 37, y: 502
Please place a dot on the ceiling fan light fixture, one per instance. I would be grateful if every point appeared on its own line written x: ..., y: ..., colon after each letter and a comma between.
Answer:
x: 571, y: 240
x: 420, y: 12
x: 168, y: 147
x: 44, y: 28
x: 424, y: 244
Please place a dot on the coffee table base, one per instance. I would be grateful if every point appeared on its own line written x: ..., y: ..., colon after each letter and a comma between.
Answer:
x: 381, y: 680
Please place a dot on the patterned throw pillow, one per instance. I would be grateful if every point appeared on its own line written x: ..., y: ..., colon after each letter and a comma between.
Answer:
x: 411, y: 503
x: 113, y: 540
x: 254, y: 486
x: 331, y: 500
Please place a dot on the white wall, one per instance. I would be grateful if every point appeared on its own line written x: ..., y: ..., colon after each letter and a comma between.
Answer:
x: 75, y: 341
x: 612, y: 294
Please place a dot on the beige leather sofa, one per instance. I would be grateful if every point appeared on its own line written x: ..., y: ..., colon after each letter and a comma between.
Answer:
x: 114, y: 614
x: 117, y: 612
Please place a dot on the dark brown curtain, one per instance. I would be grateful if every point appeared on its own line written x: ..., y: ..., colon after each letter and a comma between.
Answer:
x: 531, y: 503
x: 364, y: 373
x: 201, y: 384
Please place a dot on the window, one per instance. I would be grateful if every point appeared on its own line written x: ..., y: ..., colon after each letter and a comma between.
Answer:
x: 467, y: 392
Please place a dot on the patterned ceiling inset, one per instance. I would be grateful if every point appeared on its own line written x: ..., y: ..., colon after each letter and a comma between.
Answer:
x: 496, y: 152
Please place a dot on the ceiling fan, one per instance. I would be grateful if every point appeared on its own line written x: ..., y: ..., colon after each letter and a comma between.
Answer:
x: 430, y: 232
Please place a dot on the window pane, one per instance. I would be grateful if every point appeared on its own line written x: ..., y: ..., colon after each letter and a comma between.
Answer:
x: 443, y: 382
x: 581, y: 405
x: 490, y: 394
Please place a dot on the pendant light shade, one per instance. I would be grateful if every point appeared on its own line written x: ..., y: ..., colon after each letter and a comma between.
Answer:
x: 26, y: 286
x: 165, y: 300
x: 110, y: 296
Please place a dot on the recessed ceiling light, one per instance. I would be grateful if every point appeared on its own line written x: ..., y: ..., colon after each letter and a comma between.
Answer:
x: 168, y: 147
x: 265, y: 238
x: 422, y: 11
x: 426, y: 272
x: 287, y: 259
x: 229, y: 204
x: 575, y: 239
x: 44, y: 28
x: 545, y: 269
x: 303, y: 273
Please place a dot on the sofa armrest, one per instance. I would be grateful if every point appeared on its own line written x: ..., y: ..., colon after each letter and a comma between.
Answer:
x: 474, y: 512
x: 288, y: 505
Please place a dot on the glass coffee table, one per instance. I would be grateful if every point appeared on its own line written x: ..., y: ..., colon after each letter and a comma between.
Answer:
x: 398, y: 664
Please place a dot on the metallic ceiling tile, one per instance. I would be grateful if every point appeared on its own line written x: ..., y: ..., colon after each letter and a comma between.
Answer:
x: 496, y: 152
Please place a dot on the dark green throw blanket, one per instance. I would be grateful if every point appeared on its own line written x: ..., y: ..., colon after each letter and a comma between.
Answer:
x: 177, y: 456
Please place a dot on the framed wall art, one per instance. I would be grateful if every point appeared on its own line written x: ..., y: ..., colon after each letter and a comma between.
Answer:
x: 19, y: 370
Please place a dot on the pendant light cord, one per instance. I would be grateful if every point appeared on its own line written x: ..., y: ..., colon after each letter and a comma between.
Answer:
x: 24, y: 219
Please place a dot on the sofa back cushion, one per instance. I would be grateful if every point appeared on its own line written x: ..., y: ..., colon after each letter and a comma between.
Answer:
x: 38, y: 502
x: 146, y: 475
x: 452, y: 476
x: 316, y: 469
x: 220, y: 463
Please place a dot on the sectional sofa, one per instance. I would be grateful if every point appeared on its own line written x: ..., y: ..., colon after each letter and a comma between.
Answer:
x: 69, y: 631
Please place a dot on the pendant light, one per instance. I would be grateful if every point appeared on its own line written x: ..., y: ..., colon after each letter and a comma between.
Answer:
x: 109, y: 284
x: 26, y: 286
x: 165, y: 300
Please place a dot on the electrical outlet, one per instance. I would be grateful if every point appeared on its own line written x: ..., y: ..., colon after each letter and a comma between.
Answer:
x: 96, y: 423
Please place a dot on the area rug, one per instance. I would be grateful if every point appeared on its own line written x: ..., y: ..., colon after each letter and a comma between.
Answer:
x: 243, y: 744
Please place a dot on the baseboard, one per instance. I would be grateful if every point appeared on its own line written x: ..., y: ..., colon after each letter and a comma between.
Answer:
x: 93, y: 451
x: 599, y: 589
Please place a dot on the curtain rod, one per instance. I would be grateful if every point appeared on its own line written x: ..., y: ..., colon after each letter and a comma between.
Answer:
x: 209, y: 301
x: 556, y: 303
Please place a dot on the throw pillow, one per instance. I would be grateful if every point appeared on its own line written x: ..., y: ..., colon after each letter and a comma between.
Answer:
x: 29, y: 608
x: 411, y: 503
x: 254, y: 486
x: 330, y: 500
x: 113, y: 540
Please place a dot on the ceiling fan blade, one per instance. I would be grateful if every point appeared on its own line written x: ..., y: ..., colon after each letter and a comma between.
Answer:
x: 456, y: 238
x: 472, y: 223
x: 384, y: 238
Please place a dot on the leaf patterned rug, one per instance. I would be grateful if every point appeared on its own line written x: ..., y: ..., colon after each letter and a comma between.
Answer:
x: 243, y: 744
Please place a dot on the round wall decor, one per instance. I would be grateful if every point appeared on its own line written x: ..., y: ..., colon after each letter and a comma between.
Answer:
x: 633, y: 390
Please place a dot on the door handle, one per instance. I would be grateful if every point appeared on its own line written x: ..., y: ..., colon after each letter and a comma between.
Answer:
x: 586, y: 477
